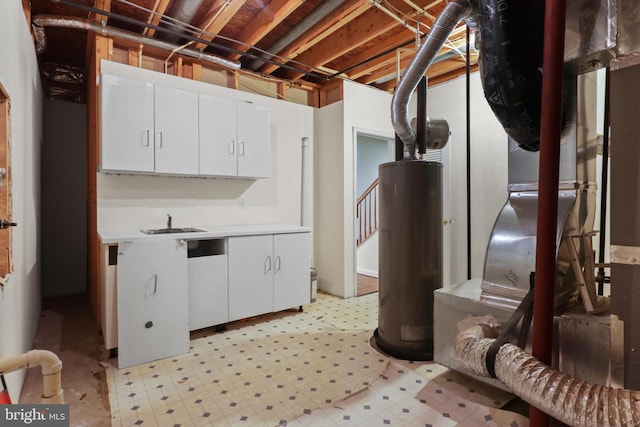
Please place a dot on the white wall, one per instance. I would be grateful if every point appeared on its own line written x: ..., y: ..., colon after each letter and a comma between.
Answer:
x: 368, y: 110
x: 329, y: 227
x: 488, y: 170
x: 138, y: 201
x: 20, y: 297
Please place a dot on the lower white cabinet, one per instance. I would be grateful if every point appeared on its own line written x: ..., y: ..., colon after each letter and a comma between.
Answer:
x: 154, y: 292
x: 152, y: 300
x: 268, y: 273
x: 208, y: 300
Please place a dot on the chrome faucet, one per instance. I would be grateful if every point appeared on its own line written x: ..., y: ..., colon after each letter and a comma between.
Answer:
x: 168, y: 221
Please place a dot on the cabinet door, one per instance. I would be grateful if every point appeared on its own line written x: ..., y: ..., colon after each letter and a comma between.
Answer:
x: 208, y: 299
x: 176, y: 131
x: 250, y: 276
x: 218, y: 143
x: 254, y: 140
x: 126, y: 124
x: 152, y: 301
x: 291, y: 270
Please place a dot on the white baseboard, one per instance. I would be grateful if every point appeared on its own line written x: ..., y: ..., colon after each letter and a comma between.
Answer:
x: 368, y: 272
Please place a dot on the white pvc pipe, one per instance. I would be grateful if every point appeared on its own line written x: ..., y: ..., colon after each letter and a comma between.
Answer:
x: 572, y: 401
x: 51, y: 369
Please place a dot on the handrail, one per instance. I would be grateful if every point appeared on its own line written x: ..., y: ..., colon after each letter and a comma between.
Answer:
x: 367, y: 212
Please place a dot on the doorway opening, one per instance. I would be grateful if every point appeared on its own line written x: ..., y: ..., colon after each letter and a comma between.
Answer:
x: 371, y: 150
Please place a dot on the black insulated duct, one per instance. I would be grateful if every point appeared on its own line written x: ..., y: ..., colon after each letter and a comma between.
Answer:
x: 510, y: 64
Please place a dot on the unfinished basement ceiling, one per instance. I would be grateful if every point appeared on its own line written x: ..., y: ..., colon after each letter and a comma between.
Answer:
x: 306, y: 41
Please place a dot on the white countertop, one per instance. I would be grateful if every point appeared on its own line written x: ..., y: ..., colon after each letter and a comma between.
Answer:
x: 118, y: 236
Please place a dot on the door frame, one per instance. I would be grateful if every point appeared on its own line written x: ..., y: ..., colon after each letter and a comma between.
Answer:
x: 356, y: 132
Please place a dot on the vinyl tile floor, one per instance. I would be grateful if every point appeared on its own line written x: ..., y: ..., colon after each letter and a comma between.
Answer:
x: 310, y: 368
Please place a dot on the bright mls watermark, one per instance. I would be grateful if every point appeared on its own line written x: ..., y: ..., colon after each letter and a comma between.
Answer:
x: 34, y: 415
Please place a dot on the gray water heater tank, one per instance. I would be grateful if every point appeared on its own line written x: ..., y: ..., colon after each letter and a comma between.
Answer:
x: 410, y: 257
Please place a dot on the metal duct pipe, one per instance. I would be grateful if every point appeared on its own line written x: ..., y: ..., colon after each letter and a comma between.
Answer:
x: 183, y: 11
x: 572, y: 401
x: 319, y: 13
x: 453, y: 13
x: 41, y: 21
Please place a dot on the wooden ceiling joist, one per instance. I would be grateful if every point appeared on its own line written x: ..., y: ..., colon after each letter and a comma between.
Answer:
x: 336, y: 19
x: 345, y: 40
x: 268, y: 18
x: 221, y: 13
x: 159, y: 9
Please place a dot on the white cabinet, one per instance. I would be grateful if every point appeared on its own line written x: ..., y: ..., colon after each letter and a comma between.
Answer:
x: 254, y: 136
x: 268, y: 273
x: 234, y: 138
x: 152, y: 301
x: 218, y: 136
x: 126, y: 124
x: 291, y: 270
x: 250, y: 276
x: 147, y: 128
x: 208, y: 300
x: 176, y: 131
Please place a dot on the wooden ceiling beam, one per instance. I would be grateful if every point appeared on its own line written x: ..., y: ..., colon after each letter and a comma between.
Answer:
x: 391, y: 43
x: 341, y: 16
x: 221, y: 13
x: 345, y: 40
x: 159, y: 9
x: 102, y: 5
x: 437, y: 73
x: 389, y: 69
x: 268, y: 18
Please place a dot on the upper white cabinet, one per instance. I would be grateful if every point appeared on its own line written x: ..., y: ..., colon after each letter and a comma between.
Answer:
x: 126, y: 124
x: 234, y: 138
x: 218, y: 136
x: 148, y: 127
x: 176, y: 131
x: 254, y: 135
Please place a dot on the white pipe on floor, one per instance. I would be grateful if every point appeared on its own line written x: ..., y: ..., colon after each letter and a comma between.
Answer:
x: 51, y: 369
x: 572, y: 401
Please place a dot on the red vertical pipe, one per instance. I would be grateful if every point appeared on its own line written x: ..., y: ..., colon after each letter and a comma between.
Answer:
x: 550, y: 129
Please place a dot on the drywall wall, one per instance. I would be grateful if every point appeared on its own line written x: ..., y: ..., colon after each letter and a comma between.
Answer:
x: 363, y: 109
x: 488, y: 170
x: 329, y: 227
x: 20, y: 296
x: 64, y: 199
x: 139, y: 201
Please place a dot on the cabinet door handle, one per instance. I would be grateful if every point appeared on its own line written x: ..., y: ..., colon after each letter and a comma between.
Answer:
x: 267, y: 264
x: 145, y: 137
x: 158, y: 140
x: 241, y: 148
x: 232, y: 147
x: 148, y: 292
x: 277, y: 264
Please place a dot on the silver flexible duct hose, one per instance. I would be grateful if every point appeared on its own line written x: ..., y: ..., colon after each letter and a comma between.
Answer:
x: 453, y: 13
x: 41, y: 21
x: 574, y: 402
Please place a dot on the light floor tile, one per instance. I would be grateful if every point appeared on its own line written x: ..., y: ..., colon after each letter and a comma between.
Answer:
x: 310, y: 368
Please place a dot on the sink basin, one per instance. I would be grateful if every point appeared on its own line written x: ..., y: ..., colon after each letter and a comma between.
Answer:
x: 172, y: 230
